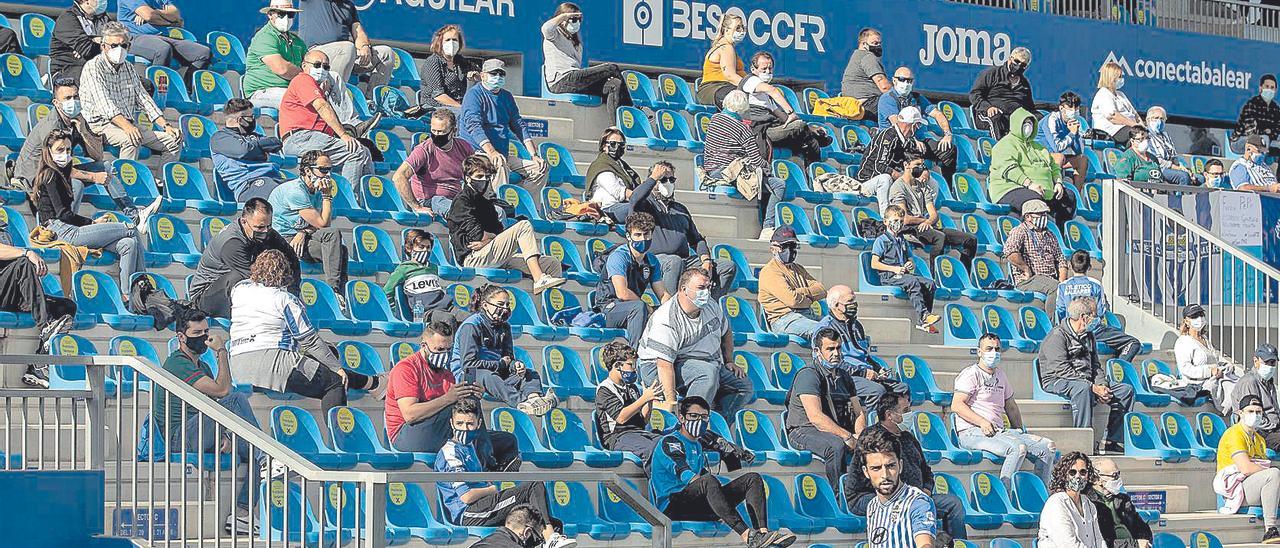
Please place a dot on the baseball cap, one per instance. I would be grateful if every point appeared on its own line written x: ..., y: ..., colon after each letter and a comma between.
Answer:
x: 1257, y: 141
x: 1247, y: 400
x: 910, y: 115
x: 784, y: 235
x: 1192, y: 310
x: 491, y: 65
x: 1266, y: 352
x: 1034, y: 206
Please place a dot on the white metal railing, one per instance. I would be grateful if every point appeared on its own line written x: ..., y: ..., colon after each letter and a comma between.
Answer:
x: 1232, y: 18
x: 97, y: 428
x: 1160, y: 261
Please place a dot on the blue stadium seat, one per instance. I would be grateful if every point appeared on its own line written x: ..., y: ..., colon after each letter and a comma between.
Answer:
x: 140, y: 184
x: 746, y: 278
x: 918, y: 376
x: 560, y: 166
x: 554, y: 199
x: 782, y: 513
x: 990, y: 496
x: 399, y: 351
x: 384, y: 202
x: 370, y: 305
x: 11, y: 134
x: 579, y: 99
x: 1037, y: 390
x: 968, y: 189
x: 636, y: 128
x: 794, y: 216
x: 1162, y: 539
x: 1123, y: 372
x: 962, y: 327
x: 1209, y: 428
x: 953, y: 276
x: 1079, y: 237
x: 1204, y: 539
x: 286, y: 515
x: 171, y: 242
x: 967, y: 157
x: 981, y: 229
x: 342, y: 506
x: 36, y: 113
x: 575, y: 268
x: 212, y: 91
x: 407, y: 508
x: 760, y: 380
x: 936, y: 439
x: 353, y: 433
x: 1142, y: 439
x: 36, y: 34
x: 345, y: 203
x: 675, y: 91
x: 563, y: 371
x: 860, y: 214
x: 559, y: 306
x: 185, y: 187
x: 1004, y: 543
x: 171, y: 91
x: 97, y: 295
x: 21, y: 78
x: 1029, y: 492
x: 614, y: 509
x: 700, y: 122
x: 526, y: 320
x: 360, y: 357
x: 565, y: 432
x: 1179, y: 434
x: 755, y: 431
x: 404, y: 70
x: 127, y: 345
x: 322, y: 309
x: 783, y: 367
x: 532, y: 450
x: 72, y: 377
x: 975, y: 518
x: 958, y: 118
x: 297, y: 430
x: 210, y: 227
x: 946, y: 199
x: 987, y: 271
x: 527, y: 208
x: 442, y: 256
x: 571, y: 503
x: 815, y: 500
x: 228, y: 52
x: 374, y: 251
x: 745, y: 325
x: 997, y: 319
x: 642, y: 92
x: 832, y: 223
x: 672, y: 127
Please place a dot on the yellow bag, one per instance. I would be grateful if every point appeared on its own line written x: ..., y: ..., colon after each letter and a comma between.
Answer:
x: 839, y: 107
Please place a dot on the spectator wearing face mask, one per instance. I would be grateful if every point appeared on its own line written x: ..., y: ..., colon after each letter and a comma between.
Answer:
x: 942, y: 152
x: 228, y: 257
x: 431, y: 175
x: 729, y: 140
x: 891, y: 257
x: 489, y: 112
x: 1000, y: 91
x: 623, y: 403
x: 446, y: 73
x: 1061, y: 134
x: 871, y: 382
x: 787, y: 290
x: 611, y: 180
x: 1260, y: 115
x: 1215, y: 174
x: 885, y: 158
x: 863, y: 77
x: 1160, y: 145
x: 66, y: 116
x: 1200, y: 364
x: 1259, y: 381
x: 823, y: 415
x: 1139, y: 162
x: 564, y: 61
x: 1022, y: 170
x: 772, y: 121
x: 1251, y: 172
x: 1118, y: 519
x: 1069, y: 519
x: 1080, y: 284
x: 308, y: 121
x: 983, y: 398
x: 417, y: 280
x: 1034, y: 254
x: 274, y: 57
x: 72, y: 43
x: 1113, y: 115
x: 630, y: 270
x: 917, y: 194
x: 241, y: 156
x: 722, y: 68
x: 688, y: 347
x: 114, y: 99
x: 484, y: 355
x: 1243, y: 479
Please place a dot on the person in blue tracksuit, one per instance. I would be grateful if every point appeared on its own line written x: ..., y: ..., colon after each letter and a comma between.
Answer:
x: 1080, y: 284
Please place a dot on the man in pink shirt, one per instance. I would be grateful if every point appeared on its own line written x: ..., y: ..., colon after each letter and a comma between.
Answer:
x: 432, y: 174
x: 983, y: 397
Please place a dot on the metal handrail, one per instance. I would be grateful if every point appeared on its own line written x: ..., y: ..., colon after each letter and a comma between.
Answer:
x: 1229, y: 18
x: 371, y: 485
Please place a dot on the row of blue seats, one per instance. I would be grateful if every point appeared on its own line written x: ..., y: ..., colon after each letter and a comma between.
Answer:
x: 1121, y: 371
x: 963, y: 328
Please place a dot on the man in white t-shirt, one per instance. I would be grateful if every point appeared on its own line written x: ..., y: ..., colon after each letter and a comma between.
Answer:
x: 983, y: 397
x: 688, y: 348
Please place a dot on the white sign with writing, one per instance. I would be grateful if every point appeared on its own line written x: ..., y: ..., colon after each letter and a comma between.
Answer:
x: 1239, y: 218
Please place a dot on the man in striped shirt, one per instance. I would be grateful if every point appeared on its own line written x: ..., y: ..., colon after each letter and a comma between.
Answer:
x: 899, y: 516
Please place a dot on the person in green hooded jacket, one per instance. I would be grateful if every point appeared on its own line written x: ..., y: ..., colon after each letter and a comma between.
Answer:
x: 1023, y: 170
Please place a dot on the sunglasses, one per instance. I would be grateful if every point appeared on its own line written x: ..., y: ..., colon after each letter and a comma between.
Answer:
x: 324, y: 66
x: 124, y: 45
x: 904, y: 79
x: 324, y: 170
x: 1077, y: 472
x: 498, y: 72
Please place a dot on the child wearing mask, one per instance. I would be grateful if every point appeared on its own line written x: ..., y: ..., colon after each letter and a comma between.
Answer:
x: 417, y: 280
x: 623, y: 404
x: 484, y: 355
x: 891, y: 257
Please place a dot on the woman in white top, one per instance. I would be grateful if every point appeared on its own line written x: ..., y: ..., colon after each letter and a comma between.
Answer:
x: 1199, y: 363
x: 275, y: 346
x: 1113, y: 114
x: 1069, y: 519
x: 610, y: 179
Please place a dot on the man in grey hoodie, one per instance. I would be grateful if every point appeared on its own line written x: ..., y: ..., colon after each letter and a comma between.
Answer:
x: 1069, y: 367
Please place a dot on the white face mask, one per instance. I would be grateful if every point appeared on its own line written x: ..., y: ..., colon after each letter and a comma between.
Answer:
x: 1250, y: 420
x: 116, y: 55
x: 1119, y: 82
x: 61, y: 158
x: 1070, y: 114
x: 739, y: 36
x: 902, y: 88
x: 318, y: 73
x: 572, y: 28
x: 1141, y: 146
x: 282, y: 24
x: 1198, y: 323
x: 991, y: 359
x: 1266, y: 372
x: 765, y: 77
x: 70, y: 107
x: 666, y: 190
x: 1115, y: 486
x: 451, y: 47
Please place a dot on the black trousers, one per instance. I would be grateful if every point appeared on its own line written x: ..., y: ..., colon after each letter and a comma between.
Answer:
x: 215, y: 300
x: 604, y: 80
x: 945, y: 159
x: 998, y: 125
x: 325, y: 385
x: 491, y: 510
x: 704, y: 499
x: 936, y: 241
x: 20, y: 291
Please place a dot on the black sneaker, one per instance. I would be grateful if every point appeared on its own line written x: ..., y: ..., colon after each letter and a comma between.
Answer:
x: 782, y: 539
x: 59, y: 325
x: 756, y: 539
x: 239, y: 522
x: 1272, y: 536
x: 37, y: 376
x: 1109, y: 448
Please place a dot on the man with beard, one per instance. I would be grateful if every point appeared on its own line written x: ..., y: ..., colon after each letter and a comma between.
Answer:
x: 888, y: 525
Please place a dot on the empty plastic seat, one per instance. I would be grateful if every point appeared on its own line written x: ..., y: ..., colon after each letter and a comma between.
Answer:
x: 1079, y: 237
x: 353, y: 433
x: 171, y: 91
x: 36, y: 34
x: 323, y: 310
x: 185, y: 187
x: 642, y: 92
x: 1204, y: 539
x: 990, y: 496
x: 1209, y: 428
x: 783, y: 368
x: 526, y: 320
x: 527, y: 208
x: 442, y: 256
x: 636, y: 128
x: 953, y: 276
x: 1142, y: 439
x: 832, y: 223
x: 565, y: 251
x: 560, y: 165
x: 962, y: 327
x: 1123, y: 372
x: 563, y: 371
x: 571, y: 503
x: 1164, y: 540
x: 783, y: 514
x: 918, y: 376
x: 794, y: 216
x: 343, y: 506
x: 532, y: 450
x: 1035, y: 323
x: 565, y: 432
x: 975, y: 518
x: 369, y: 304
x: 997, y: 319
x: 21, y: 78
x: 374, y: 251
x: 672, y: 127
x: 384, y: 201
x: 987, y: 271
x: 139, y: 183
x: 815, y: 499
x: 228, y: 53
x: 764, y: 386
x: 391, y: 147
x: 968, y: 189
x: 937, y: 441
x: 675, y: 91
x: 981, y: 229
x: 745, y: 325
x: 11, y: 134
x: 297, y: 430
x: 97, y: 296
x: 283, y: 503
x: 407, y: 508
x: 345, y: 203
x: 958, y: 118
x: 554, y: 200
x: 171, y: 242
x: 1179, y: 434
x: 756, y: 432
x: 746, y: 278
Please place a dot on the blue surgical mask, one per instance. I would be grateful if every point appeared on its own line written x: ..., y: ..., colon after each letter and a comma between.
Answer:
x: 702, y: 298
x: 70, y: 107
x: 819, y: 360
x: 494, y: 83
x: 630, y: 377
x: 641, y: 246
x: 100, y: 8
x: 1268, y: 94
x: 464, y: 437
x: 991, y: 359
x: 1156, y: 125
x: 695, y: 428
x: 1093, y: 324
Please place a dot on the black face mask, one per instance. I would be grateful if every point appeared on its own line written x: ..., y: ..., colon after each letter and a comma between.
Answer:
x: 248, y: 125
x: 480, y: 184
x: 198, y: 344
x: 851, y: 310
x: 876, y: 50
x: 440, y: 140
x: 1016, y: 69
x: 917, y: 171
x: 615, y: 150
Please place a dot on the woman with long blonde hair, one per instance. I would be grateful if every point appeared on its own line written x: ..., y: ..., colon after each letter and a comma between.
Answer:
x: 723, y: 70
x: 1113, y: 113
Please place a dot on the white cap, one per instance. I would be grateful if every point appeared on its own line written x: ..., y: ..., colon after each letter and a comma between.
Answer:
x: 910, y: 115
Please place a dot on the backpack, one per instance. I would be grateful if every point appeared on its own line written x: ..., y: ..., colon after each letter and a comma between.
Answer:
x: 146, y: 300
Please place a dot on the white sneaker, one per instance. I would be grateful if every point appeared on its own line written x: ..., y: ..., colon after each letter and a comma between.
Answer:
x: 547, y: 282
x: 765, y: 234
x: 144, y: 215
x: 557, y: 540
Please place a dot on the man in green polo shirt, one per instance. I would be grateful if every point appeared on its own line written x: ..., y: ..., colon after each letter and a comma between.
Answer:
x: 185, y: 433
x: 274, y: 57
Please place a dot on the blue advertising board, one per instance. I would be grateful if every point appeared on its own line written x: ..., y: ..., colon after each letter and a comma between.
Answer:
x: 948, y: 44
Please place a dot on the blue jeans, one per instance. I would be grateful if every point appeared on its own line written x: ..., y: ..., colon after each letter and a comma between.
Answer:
x: 1015, y: 447
x: 113, y: 187
x: 1175, y: 176
x: 628, y: 315
x: 713, y: 381
x: 115, y: 237
x: 800, y: 324
x: 510, y: 390
x: 1080, y: 394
